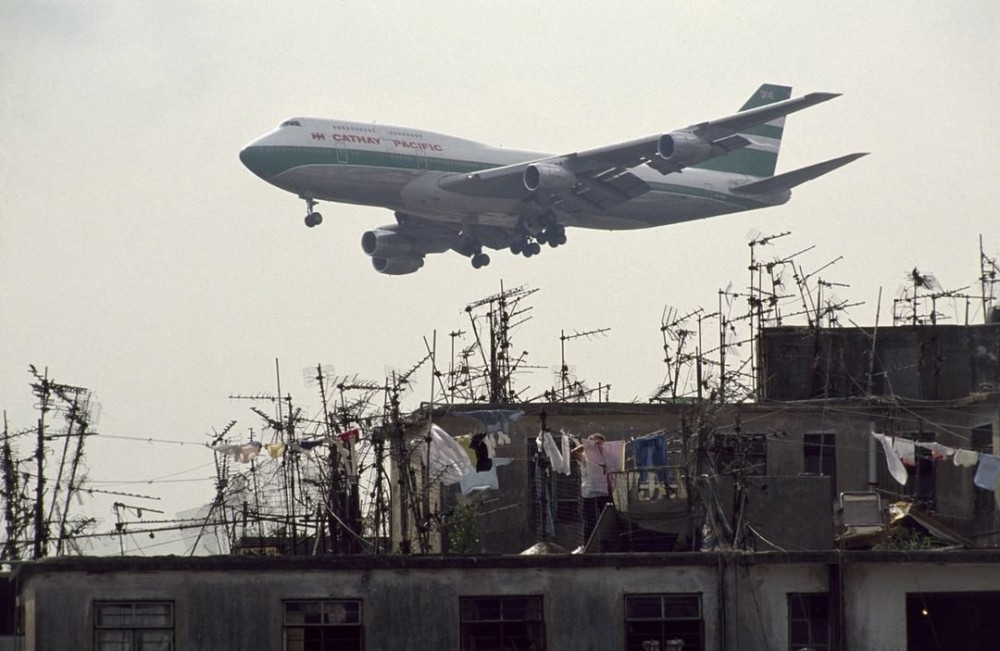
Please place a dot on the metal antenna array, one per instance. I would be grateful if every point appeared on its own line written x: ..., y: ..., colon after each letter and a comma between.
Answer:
x: 989, y: 276
x: 499, y: 364
x: 570, y: 388
x: 923, y: 287
x: 676, y: 339
x: 75, y: 403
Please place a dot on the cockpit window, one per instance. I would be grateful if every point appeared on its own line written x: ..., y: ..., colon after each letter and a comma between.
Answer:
x: 291, y: 123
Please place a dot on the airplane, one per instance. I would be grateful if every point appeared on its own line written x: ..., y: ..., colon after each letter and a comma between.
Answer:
x: 449, y: 193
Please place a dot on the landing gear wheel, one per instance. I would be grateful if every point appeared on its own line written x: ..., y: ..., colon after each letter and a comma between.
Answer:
x: 480, y: 260
x: 313, y: 218
x: 532, y: 249
x: 554, y: 235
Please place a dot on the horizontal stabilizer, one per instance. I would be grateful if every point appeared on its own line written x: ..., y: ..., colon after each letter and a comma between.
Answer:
x: 789, y: 180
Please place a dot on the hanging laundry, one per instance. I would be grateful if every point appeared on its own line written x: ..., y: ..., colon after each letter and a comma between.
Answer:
x: 494, y: 420
x: 602, y: 458
x: 905, y: 450
x: 545, y: 527
x: 987, y: 472
x: 276, y: 450
x: 448, y: 460
x: 559, y: 459
x: 892, y: 460
x: 310, y: 444
x: 349, y: 435
x: 650, y: 451
x: 965, y: 458
x: 480, y: 481
x: 478, y: 445
x: 243, y: 453
x: 938, y: 452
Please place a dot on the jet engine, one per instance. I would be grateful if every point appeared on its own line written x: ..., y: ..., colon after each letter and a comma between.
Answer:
x: 683, y: 148
x: 386, y: 243
x: 400, y: 248
x: 545, y: 176
x: 398, y: 265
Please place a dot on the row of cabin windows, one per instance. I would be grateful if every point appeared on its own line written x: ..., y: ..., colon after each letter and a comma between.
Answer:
x: 488, y: 623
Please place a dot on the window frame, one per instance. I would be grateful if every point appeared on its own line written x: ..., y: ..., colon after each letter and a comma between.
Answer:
x: 533, y: 628
x: 819, y: 449
x: 358, y: 622
x: 664, y: 620
x: 807, y: 600
x: 131, y: 627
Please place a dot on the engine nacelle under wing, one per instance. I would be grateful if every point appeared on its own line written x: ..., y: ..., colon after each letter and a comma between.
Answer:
x: 546, y: 176
x: 400, y: 248
x: 398, y: 265
x: 385, y: 242
x: 684, y: 148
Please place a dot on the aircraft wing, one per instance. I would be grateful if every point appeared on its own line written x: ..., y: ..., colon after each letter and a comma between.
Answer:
x: 599, y: 179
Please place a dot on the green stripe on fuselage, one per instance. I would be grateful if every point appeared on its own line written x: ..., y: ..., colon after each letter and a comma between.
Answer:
x: 752, y: 162
x: 269, y: 162
x: 273, y: 161
x: 739, y: 202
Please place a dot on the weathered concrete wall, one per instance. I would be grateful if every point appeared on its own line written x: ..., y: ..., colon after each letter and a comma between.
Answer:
x: 404, y: 609
x: 227, y: 604
x: 876, y: 607
x: 932, y: 362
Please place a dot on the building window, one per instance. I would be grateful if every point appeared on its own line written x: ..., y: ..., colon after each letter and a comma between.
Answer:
x: 819, y: 457
x: 134, y: 626
x: 808, y: 621
x: 738, y: 454
x: 323, y: 625
x: 500, y: 623
x: 653, y: 621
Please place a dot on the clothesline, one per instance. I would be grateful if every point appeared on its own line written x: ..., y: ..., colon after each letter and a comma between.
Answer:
x: 901, y: 452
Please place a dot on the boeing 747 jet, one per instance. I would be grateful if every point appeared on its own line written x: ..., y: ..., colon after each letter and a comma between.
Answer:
x: 454, y: 194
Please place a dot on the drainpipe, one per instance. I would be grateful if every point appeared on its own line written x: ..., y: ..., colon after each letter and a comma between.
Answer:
x: 873, y: 457
x: 835, y: 579
x: 996, y: 447
x: 721, y: 571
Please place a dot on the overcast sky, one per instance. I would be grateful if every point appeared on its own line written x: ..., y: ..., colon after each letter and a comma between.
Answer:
x: 140, y: 259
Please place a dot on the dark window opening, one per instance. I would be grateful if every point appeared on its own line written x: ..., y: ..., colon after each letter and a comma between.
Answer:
x: 808, y: 621
x: 133, y: 625
x: 819, y: 457
x: 952, y: 620
x: 502, y: 624
x: 652, y: 621
x: 323, y: 625
x: 740, y: 454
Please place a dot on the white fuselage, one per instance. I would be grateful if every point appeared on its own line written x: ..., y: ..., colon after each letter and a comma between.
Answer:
x: 400, y: 169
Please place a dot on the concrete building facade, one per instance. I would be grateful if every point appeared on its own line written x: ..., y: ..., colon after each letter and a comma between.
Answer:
x: 731, y: 601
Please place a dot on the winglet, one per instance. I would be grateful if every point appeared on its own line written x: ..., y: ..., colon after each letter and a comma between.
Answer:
x: 789, y: 180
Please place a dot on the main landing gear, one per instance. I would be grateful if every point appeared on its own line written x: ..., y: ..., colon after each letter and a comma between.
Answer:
x: 313, y: 218
x: 554, y: 236
x: 480, y: 260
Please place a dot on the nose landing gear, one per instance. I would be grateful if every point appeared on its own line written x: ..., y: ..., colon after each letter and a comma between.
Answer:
x: 313, y: 218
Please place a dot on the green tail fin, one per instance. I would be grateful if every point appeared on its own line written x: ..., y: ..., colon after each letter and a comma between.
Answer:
x: 756, y: 160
